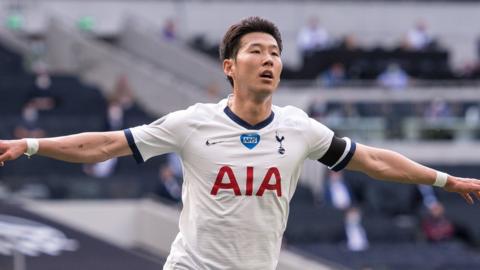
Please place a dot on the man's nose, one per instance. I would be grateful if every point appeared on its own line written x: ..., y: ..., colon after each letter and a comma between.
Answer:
x: 268, y: 60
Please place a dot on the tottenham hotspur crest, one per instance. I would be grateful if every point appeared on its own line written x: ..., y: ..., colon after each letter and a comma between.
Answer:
x: 280, y: 139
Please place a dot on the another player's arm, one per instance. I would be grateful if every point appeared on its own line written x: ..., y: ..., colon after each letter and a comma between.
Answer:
x: 87, y: 147
x: 388, y: 165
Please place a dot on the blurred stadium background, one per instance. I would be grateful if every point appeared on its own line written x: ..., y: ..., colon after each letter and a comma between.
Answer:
x: 397, y: 74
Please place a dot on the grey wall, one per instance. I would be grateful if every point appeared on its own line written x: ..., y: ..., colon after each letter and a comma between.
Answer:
x: 100, y: 64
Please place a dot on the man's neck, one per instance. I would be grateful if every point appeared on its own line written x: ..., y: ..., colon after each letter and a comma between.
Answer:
x: 250, y: 110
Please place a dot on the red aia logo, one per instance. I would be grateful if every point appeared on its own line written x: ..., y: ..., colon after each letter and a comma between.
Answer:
x: 232, y: 184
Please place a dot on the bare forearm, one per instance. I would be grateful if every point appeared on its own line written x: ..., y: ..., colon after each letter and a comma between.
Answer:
x: 388, y: 165
x: 85, y: 147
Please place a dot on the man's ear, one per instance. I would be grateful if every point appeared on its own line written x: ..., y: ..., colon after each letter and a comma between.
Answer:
x: 228, y: 67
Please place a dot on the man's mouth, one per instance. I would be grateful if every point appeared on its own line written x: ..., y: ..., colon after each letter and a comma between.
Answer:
x: 267, y: 74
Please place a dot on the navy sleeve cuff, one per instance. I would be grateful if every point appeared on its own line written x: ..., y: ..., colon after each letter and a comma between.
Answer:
x: 334, y: 152
x: 340, y: 166
x: 133, y: 146
x: 339, y: 153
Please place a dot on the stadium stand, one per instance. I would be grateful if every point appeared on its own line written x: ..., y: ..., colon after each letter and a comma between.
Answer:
x: 360, y: 64
x: 80, y: 108
x: 315, y: 228
x: 392, y: 215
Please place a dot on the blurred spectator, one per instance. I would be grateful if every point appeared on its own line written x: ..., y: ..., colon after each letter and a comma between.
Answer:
x: 101, y: 169
x: 317, y: 109
x: 341, y: 198
x: 437, y: 110
x: 428, y: 196
x: 120, y: 103
x: 114, y: 121
x: 435, y: 225
x: 335, y: 116
x: 436, y: 125
x: 175, y: 164
x: 38, y: 49
x: 169, y: 188
x: 41, y: 96
x: 28, y: 126
x: 122, y: 93
x: 349, y: 43
x: 472, y: 116
x: 394, y: 78
x: 334, y: 76
x: 170, y: 176
x: 356, y: 236
x: 418, y: 38
x: 338, y: 193
x: 169, y: 30
x: 313, y: 36
x: 393, y: 121
x: 338, y: 114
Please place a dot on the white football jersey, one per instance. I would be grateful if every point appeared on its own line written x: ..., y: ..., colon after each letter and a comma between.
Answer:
x: 238, y: 179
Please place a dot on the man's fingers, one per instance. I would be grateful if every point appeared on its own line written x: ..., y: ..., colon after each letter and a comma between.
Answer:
x: 3, y: 147
x: 477, y: 195
x: 5, y: 156
x: 475, y: 188
x: 9, y: 150
x: 467, y: 198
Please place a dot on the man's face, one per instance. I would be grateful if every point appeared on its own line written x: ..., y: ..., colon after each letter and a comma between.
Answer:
x: 257, y: 66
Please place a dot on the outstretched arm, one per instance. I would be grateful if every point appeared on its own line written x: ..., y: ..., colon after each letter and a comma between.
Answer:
x: 389, y: 165
x: 87, y: 147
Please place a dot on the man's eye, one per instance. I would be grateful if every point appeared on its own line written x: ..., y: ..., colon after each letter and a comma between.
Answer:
x: 256, y: 51
x: 275, y: 54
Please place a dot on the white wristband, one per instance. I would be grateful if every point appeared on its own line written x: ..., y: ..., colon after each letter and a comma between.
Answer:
x: 441, y: 179
x: 32, y: 147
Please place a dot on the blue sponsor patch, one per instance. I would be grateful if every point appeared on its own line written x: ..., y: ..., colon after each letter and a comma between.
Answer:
x: 250, y: 140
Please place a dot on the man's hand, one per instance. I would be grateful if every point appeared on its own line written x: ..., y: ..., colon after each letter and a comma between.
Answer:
x: 466, y: 187
x: 11, y: 149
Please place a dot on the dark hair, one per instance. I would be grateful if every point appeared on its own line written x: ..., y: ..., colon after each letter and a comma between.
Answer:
x: 231, y: 40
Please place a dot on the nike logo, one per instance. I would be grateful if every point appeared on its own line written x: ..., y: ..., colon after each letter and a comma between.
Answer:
x: 208, y: 142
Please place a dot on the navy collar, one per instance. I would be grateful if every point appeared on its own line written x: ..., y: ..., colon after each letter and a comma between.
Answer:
x: 246, y: 125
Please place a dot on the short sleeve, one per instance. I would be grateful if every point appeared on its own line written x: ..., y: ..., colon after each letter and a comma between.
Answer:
x: 164, y: 135
x: 328, y: 149
x: 319, y: 138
